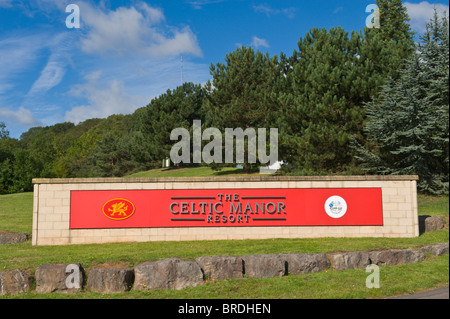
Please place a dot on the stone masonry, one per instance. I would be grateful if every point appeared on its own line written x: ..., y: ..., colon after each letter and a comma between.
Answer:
x: 51, y: 212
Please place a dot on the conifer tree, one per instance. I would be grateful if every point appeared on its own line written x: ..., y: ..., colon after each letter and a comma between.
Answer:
x: 392, y: 43
x: 409, y: 124
x: 329, y: 78
x: 176, y: 108
x: 322, y: 107
x: 243, y: 92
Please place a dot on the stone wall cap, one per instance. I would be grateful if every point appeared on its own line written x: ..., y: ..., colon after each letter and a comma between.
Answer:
x: 261, y: 178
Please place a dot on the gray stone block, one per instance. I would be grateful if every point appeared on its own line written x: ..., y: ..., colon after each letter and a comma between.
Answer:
x: 436, y: 249
x: 349, y: 260
x: 298, y: 264
x: 14, y: 282
x: 221, y: 267
x: 171, y: 273
x: 54, y: 277
x: 264, y: 266
x: 396, y: 256
x: 110, y: 280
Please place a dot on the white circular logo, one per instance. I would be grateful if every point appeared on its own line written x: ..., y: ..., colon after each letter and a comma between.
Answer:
x: 335, y: 207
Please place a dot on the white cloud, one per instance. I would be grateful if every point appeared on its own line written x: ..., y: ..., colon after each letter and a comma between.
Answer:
x: 134, y: 31
x: 152, y: 14
x: 50, y: 77
x: 421, y: 13
x: 337, y: 10
x: 21, y: 116
x: 198, y: 4
x: 269, y: 11
x: 102, y: 101
x: 259, y: 42
x: 53, y: 72
x: 5, y: 3
x: 17, y: 54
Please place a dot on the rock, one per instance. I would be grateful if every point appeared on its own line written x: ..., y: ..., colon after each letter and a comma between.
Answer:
x: 298, y: 264
x: 221, y: 267
x: 349, y: 260
x: 12, y: 238
x: 171, y: 273
x: 110, y: 280
x: 433, y: 223
x: 436, y: 249
x: 61, y: 278
x: 154, y: 275
x: 188, y: 274
x: 264, y: 266
x: 396, y: 256
x: 14, y: 282
x: 430, y: 223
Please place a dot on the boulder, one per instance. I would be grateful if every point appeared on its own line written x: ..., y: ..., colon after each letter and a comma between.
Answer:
x: 436, y: 249
x: 171, y: 273
x: 14, y: 282
x: 61, y: 278
x: 110, y: 280
x: 396, y: 256
x: 349, y: 260
x: 264, y: 266
x: 430, y: 223
x: 12, y: 238
x: 298, y: 264
x: 433, y: 223
x: 221, y: 267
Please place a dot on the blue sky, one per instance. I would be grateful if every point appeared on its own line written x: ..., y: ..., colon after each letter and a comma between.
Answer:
x: 127, y: 52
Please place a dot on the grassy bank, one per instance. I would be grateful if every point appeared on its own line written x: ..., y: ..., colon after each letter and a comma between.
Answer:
x: 192, y: 172
x: 349, y: 284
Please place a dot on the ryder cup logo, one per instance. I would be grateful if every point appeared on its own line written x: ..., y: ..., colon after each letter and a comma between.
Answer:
x: 335, y: 207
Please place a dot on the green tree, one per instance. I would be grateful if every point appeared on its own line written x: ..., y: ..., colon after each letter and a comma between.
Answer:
x: 329, y: 78
x: 243, y: 93
x: 3, y: 132
x: 6, y: 160
x: 25, y: 167
x: 389, y: 46
x: 394, y: 22
x: 409, y: 123
x: 322, y: 108
x: 176, y: 108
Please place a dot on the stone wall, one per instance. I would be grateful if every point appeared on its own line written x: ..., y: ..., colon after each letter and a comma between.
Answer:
x: 51, y: 210
x: 174, y: 273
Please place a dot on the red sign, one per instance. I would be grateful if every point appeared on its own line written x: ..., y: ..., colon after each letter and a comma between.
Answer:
x: 226, y: 207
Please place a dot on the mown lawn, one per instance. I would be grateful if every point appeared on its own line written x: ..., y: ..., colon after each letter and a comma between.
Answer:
x: 192, y: 172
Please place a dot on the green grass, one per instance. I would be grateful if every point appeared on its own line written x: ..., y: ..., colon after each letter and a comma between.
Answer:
x: 433, y: 205
x: 16, y: 215
x: 16, y: 212
x: 191, y: 172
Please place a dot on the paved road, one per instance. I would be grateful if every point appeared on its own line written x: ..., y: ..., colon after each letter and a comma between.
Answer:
x: 441, y: 293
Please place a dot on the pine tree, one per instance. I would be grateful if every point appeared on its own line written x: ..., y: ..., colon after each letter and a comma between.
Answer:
x: 322, y: 108
x: 409, y: 124
x: 394, y: 21
x: 242, y: 93
x: 330, y: 77
x: 385, y: 49
x: 176, y: 108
